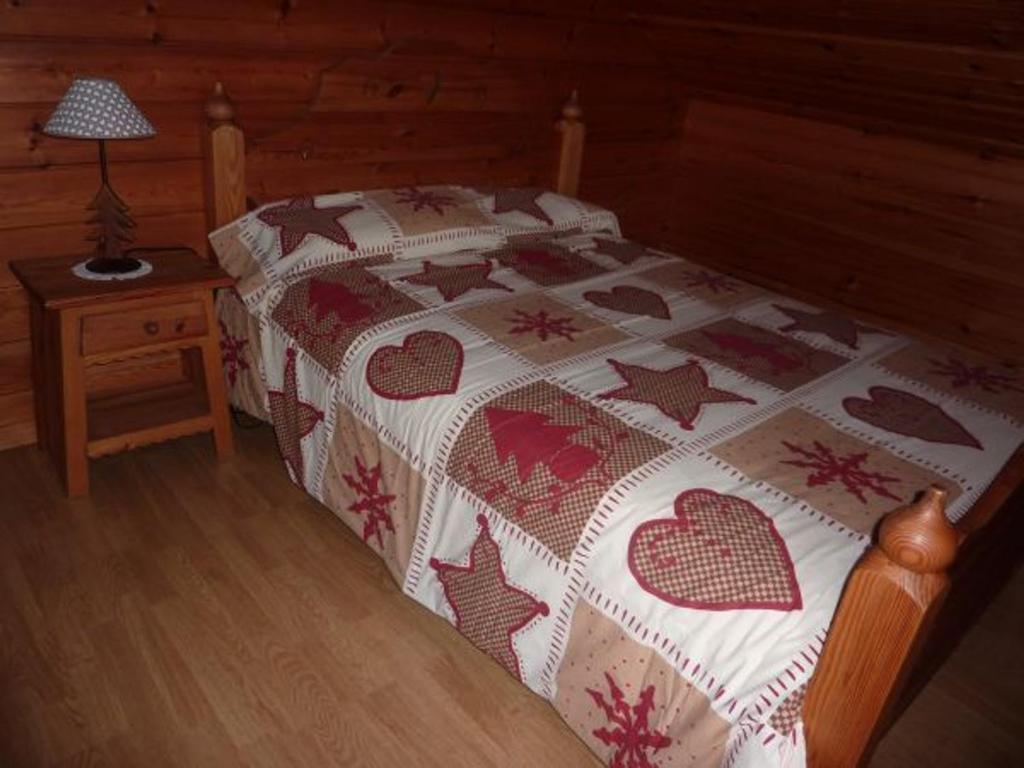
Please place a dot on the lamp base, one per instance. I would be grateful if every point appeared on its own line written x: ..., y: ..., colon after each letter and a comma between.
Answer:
x: 82, y: 271
x: 105, y: 265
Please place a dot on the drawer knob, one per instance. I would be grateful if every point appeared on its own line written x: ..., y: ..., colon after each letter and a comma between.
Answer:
x: 152, y: 327
x: 179, y: 326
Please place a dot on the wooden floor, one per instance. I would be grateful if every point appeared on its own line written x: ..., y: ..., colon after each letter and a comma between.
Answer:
x: 191, y: 613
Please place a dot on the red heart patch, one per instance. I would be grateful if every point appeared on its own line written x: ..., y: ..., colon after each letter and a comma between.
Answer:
x: 906, y: 414
x: 429, y: 363
x: 630, y: 300
x: 719, y: 553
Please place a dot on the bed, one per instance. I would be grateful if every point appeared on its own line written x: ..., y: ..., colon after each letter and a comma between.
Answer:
x: 711, y: 524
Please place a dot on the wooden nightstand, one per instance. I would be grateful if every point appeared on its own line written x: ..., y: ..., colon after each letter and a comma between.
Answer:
x: 78, y: 324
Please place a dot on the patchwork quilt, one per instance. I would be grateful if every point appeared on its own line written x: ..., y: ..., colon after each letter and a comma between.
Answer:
x: 637, y: 484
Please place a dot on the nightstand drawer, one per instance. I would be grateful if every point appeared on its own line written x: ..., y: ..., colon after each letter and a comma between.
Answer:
x: 128, y: 330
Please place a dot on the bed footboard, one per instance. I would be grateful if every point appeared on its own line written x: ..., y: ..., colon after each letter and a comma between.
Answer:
x: 906, y: 604
x: 889, y: 602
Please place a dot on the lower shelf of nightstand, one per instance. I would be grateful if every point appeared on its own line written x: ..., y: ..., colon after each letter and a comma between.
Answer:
x: 126, y: 421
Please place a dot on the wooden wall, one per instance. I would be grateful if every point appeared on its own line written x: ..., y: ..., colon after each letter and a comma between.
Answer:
x: 507, y: 63
x: 917, y: 234
x: 869, y: 151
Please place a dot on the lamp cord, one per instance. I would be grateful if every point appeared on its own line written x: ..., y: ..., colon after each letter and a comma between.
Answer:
x: 245, y: 420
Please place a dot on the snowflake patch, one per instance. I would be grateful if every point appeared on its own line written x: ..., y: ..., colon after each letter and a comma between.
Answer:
x: 371, y: 503
x: 628, y: 730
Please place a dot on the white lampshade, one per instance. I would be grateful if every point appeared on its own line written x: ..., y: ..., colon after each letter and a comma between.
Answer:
x: 97, y: 108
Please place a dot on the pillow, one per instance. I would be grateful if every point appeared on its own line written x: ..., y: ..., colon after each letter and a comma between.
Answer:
x: 522, y: 210
x: 402, y: 223
x: 278, y: 238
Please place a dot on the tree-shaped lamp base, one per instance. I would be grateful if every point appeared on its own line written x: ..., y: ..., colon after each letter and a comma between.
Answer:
x: 104, y: 265
x: 115, y: 227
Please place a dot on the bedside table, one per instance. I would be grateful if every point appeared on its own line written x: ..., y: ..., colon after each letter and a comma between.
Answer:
x: 77, y: 324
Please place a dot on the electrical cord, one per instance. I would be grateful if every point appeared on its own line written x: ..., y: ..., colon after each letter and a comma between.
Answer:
x: 245, y: 420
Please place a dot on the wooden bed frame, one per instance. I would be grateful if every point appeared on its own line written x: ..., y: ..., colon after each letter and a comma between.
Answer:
x: 907, y: 601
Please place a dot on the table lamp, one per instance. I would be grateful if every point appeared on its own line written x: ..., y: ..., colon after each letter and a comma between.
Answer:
x: 97, y: 108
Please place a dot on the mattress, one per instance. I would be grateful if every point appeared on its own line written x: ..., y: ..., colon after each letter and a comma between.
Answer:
x: 636, y: 483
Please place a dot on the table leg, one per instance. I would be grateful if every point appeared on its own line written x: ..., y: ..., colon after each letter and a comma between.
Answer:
x: 73, y: 405
x: 40, y: 388
x: 213, y: 374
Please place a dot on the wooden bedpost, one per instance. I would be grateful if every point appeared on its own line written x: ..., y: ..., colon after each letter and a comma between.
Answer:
x: 224, y: 150
x: 884, y: 615
x: 570, y: 156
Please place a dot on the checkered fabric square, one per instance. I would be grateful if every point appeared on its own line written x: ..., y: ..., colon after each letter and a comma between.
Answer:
x: 326, y: 310
x: 543, y: 458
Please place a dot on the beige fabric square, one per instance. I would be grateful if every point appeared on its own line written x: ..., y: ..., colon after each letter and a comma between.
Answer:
x: 540, y: 328
x: 374, y: 490
x: 661, y: 719
x: 851, y: 481
x: 240, y: 355
x: 702, y: 283
x: 236, y: 259
x: 419, y: 210
x: 968, y: 375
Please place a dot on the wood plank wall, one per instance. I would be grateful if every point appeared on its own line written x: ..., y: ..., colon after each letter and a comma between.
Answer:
x: 917, y: 234
x: 867, y: 151
x: 878, y: 141
x: 279, y: 60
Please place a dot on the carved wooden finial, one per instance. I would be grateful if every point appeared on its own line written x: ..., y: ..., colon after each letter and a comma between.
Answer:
x: 918, y: 536
x: 571, y: 109
x: 219, y: 108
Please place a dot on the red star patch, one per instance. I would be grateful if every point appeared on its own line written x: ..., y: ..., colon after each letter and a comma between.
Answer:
x: 834, y: 325
x: 679, y: 392
x: 623, y: 251
x: 299, y: 218
x: 292, y: 418
x: 523, y: 200
x: 452, y: 282
x: 488, y: 610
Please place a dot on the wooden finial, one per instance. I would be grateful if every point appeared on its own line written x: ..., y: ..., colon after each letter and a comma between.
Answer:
x: 571, y: 109
x: 219, y: 108
x: 224, y: 150
x: 887, y: 608
x: 918, y: 536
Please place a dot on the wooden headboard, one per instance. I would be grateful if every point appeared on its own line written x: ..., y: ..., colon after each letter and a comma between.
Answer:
x: 392, y: 120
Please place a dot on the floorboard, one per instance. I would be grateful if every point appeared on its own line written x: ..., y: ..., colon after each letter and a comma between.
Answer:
x: 198, y: 613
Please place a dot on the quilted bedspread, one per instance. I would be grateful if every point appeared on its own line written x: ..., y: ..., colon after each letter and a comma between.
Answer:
x: 637, y: 484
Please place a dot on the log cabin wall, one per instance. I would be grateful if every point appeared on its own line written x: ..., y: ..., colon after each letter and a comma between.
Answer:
x: 865, y: 151
x: 305, y: 77
x: 870, y: 152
